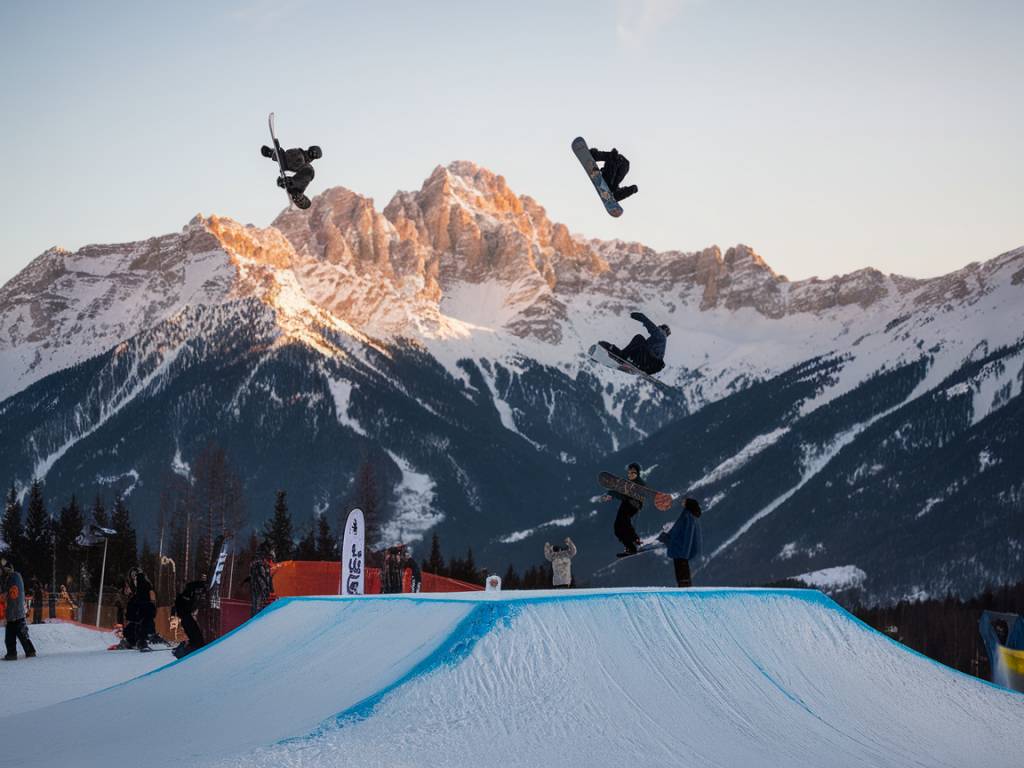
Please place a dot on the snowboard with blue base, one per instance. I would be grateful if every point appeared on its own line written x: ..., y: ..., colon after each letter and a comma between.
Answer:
x: 582, y: 152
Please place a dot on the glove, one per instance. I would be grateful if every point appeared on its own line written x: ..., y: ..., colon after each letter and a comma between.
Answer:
x: 663, y: 537
x: 637, y: 316
x: 266, y: 151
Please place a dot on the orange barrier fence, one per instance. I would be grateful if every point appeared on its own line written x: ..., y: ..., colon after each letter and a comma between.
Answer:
x: 293, y: 578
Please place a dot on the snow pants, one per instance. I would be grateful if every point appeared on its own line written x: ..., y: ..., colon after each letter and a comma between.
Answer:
x: 300, y: 180
x: 625, y: 532
x: 18, y: 630
x: 614, y: 169
x: 682, y: 568
x: 637, y: 353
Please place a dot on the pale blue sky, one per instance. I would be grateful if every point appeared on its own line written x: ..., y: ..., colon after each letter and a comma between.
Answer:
x: 829, y: 136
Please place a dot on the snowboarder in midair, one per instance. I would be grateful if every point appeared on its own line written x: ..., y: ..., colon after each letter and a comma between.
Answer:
x: 628, y: 508
x: 614, y: 170
x: 646, y: 354
x: 298, y: 161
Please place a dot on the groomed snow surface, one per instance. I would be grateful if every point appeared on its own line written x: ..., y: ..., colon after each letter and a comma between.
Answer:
x: 704, y: 677
x: 72, y: 661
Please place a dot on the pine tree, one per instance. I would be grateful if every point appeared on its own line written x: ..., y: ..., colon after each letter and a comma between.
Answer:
x: 511, y: 579
x: 70, y: 523
x: 11, y: 529
x: 37, y: 536
x: 124, y: 553
x: 326, y: 545
x: 435, y: 563
x: 277, y: 532
x: 99, y: 513
x: 471, y: 574
x: 367, y: 499
x: 306, y: 550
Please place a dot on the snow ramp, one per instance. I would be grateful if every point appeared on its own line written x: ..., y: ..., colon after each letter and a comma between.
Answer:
x: 703, y: 677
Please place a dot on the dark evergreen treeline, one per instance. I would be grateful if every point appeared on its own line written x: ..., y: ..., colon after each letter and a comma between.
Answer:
x: 945, y: 629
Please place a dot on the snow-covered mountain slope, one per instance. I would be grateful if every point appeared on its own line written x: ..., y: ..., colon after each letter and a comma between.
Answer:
x: 445, y: 337
x: 728, y: 677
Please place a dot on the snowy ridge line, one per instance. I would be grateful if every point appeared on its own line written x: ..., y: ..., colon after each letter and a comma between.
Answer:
x: 817, y: 464
x: 745, y: 454
x: 124, y: 396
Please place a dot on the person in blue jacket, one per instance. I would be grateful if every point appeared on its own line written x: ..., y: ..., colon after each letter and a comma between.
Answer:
x: 684, y: 541
x: 646, y: 354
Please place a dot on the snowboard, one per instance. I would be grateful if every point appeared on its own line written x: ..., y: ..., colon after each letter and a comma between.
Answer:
x: 662, y: 501
x: 300, y: 200
x: 640, y: 550
x: 582, y: 152
x: 602, y: 356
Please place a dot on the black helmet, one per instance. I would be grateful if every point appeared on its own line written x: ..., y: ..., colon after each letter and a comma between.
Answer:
x: 666, y: 329
x: 692, y: 506
x: 314, y: 152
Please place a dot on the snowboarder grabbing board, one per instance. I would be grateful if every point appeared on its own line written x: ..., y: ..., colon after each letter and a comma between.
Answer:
x: 298, y: 161
x: 604, y: 191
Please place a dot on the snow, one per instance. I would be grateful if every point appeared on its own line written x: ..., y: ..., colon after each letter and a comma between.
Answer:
x: 733, y: 463
x: 341, y: 390
x: 928, y: 504
x: 72, y: 661
x: 720, y: 677
x: 413, y: 510
x: 132, y: 475
x: 558, y: 522
x: 838, y: 577
x: 179, y: 466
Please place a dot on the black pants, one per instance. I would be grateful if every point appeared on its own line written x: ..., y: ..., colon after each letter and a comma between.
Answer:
x: 683, y: 578
x: 637, y: 353
x: 625, y: 532
x: 297, y: 183
x: 192, y: 631
x: 614, y: 169
x: 18, y: 629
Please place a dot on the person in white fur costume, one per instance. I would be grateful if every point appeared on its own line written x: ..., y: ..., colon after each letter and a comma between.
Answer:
x: 561, y: 557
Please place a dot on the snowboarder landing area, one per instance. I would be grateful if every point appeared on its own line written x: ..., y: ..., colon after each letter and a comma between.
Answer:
x: 661, y: 677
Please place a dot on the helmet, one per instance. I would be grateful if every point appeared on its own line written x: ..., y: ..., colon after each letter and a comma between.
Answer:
x: 314, y: 152
x: 635, y: 466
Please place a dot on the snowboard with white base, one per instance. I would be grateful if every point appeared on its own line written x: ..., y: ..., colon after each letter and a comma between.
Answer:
x: 299, y: 200
x: 600, y: 355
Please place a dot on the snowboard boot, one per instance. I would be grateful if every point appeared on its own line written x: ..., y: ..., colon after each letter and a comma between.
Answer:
x: 301, y: 201
x: 266, y: 151
x: 610, y: 347
x: 623, y: 192
x: 11, y: 657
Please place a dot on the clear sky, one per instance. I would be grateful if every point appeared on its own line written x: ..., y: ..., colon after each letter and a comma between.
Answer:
x: 829, y: 136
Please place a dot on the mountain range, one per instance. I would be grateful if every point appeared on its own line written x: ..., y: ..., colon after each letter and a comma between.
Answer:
x: 860, y: 431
